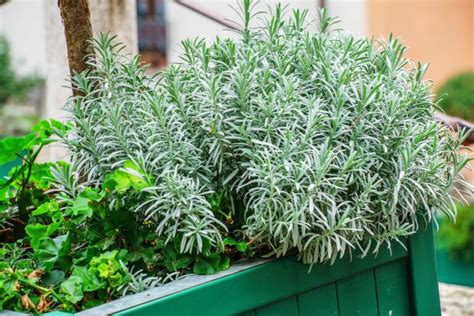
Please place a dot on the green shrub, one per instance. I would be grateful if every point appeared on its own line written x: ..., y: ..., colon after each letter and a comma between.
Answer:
x: 457, y: 96
x: 457, y: 238
x: 322, y: 143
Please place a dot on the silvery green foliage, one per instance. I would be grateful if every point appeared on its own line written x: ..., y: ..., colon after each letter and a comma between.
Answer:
x: 327, y: 141
x: 140, y: 281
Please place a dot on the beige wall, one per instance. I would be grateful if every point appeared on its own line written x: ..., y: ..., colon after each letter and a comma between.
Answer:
x: 439, y: 32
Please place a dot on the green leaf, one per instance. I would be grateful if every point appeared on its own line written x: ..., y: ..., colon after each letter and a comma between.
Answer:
x: 51, y: 251
x: 136, y: 175
x: 224, y: 263
x: 72, y: 287
x: 90, y: 281
x: 46, y: 208
x: 81, y: 208
x: 10, y: 147
x: 201, y: 266
x: 214, y: 260
x: 92, y: 194
x: 118, y: 181
x: 182, y: 261
x: 46, y: 128
x: 38, y: 232
x: 41, y: 175
x: 229, y: 241
x: 242, y: 246
x: 130, y: 176
x: 53, y: 278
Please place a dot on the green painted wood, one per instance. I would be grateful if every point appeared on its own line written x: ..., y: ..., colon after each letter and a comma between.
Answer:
x: 423, y: 275
x: 357, y: 295
x: 249, y: 313
x: 5, y: 168
x: 391, y: 281
x: 321, y: 301
x: 286, y: 307
x: 259, y: 286
x: 454, y: 271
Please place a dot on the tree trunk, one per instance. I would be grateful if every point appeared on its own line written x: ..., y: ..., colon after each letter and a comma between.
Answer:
x: 76, y: 18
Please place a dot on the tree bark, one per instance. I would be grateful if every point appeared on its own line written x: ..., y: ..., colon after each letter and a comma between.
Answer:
x: 76, y: 18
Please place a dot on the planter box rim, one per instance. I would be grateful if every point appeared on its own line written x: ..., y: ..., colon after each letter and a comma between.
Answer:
x: 186, y: 282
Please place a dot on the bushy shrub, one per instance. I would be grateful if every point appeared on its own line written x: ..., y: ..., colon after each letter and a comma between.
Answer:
x: 321, y: 142
x: 457, y: 96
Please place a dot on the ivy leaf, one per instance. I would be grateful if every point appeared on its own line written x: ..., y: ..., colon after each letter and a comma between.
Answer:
x: 92, y: 194
x: 53, y: 278
x: 239, y: 245
x: 81, y: 208
x: 46, y: 208
x: 242, y: 246
x: 201, y: 266
x: 179, y: 262
x: 214, y: 260
x: 10, y: 147
x: 224, y: 263
x: 118, y: 181
x: 90, y: 281
x: 72, y: 287
x: 130, y: 176
x: 38, y: 232
x: 135, y: 174
x: 51, y: 251
x: 41, y: 175
x: 211, y: 264
x: 46, y: 128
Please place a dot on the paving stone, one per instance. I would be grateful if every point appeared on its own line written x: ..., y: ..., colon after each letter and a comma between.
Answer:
x: 456, y: 300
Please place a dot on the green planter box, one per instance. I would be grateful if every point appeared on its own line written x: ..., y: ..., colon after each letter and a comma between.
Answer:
x: 5, y: 168
x: 400, y: 283
x: 454, y: 271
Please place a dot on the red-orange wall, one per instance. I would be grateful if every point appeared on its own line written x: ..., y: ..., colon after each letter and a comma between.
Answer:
x: 439, y: 32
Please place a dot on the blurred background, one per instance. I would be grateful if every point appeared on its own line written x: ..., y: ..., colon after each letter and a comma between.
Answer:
x: 33, y: 71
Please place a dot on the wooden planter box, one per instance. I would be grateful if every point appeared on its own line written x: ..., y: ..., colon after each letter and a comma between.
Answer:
x: 403, y: 283
x: 5, y: 168
x: 454, y: 271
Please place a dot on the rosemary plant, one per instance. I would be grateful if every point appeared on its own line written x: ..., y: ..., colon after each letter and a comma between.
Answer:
x: 321, y: 143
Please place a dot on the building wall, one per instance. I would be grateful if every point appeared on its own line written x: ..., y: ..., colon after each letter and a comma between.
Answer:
x: 439, y: 32
x: 183, y: 23
x: 23, y: 24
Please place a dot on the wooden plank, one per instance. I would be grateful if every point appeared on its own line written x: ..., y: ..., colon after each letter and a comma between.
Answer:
x: 286, y: 307
x: 424, y: 279
x: 357, y: 295
x: 454, y: 271
x: 321, y: 301
x: 257, y: 286
x: 391, y: 281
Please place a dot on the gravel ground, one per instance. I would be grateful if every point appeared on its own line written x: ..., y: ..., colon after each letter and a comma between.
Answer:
x: 456, y: 300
